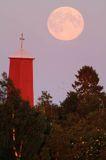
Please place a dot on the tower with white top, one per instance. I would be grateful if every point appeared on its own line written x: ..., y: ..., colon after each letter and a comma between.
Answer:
x: 21, y: 73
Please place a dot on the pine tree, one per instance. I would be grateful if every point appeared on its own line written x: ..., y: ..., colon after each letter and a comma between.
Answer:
x: 87, y: 82
x: 90, y: 94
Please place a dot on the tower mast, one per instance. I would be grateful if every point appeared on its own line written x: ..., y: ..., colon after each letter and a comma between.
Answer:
x: 21, y: 72
x: 22, y: 40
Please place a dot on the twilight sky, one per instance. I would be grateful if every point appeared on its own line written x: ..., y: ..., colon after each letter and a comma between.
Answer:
x: 56, y: 62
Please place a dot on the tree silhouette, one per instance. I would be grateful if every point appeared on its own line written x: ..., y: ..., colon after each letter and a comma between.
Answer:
x: 87, y: 82
x: 44, y: 104
x: 90, y: 94
x: 22, y: 129
x: 71, y: 102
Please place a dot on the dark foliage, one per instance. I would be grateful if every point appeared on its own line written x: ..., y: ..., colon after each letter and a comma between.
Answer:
x: 22, y: 129
x: 70, y: 104
x: 75, y: 130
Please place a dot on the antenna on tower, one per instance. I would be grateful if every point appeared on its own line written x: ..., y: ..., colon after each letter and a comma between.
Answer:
x: 22, y: 40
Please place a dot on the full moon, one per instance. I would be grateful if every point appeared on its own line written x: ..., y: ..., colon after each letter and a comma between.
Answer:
x: 65, y: 23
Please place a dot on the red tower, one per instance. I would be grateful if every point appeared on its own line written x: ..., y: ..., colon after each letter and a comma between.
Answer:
x: 21, y: 73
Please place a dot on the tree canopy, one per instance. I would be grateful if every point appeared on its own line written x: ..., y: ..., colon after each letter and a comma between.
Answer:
x: 87, y: 82
x: 22, y: 129
x: 73, y: 130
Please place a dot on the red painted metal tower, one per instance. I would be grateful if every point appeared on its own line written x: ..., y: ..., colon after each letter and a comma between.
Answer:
x: 21, y: 73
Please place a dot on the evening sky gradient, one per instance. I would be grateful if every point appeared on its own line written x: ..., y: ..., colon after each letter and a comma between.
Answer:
x: 56, y: 62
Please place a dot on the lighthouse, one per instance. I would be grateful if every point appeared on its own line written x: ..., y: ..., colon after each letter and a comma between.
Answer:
x: 21, y: 73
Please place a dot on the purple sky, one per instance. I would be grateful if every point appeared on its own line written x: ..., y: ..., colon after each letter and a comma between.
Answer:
x: 56, y: 61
